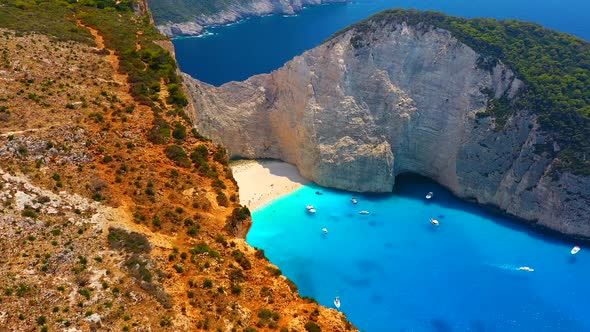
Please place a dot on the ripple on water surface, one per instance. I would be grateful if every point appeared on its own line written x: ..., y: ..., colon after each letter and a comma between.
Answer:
x: 393, y: 270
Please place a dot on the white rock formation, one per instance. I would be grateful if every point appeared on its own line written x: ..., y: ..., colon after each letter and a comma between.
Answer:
x: 355, y: 112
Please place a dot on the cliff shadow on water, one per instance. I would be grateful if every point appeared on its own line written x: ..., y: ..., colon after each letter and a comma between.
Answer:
x: 412, y: 185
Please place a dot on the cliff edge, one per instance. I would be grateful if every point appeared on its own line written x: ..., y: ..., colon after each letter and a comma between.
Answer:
x: 392, y: 96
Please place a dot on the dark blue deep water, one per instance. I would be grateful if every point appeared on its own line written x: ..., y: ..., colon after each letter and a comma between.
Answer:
x: 394, y: 271
x: 260, y: 45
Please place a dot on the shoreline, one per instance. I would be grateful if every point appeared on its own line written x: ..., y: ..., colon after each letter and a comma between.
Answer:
x: 202, y: 26
x: 261, y: 182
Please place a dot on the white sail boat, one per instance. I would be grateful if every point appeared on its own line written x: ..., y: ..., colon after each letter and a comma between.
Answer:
x: 337, y: 302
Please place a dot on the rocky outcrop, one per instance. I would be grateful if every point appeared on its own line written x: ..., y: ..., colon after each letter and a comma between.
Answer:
x: 183, y: 29
x: 368, y: 105
x: 230, y: 12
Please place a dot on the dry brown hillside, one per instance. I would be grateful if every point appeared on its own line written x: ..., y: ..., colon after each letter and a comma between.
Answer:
x: 115, y: 215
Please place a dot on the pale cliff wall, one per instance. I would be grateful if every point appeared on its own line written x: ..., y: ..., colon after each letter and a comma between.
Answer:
x: 234, y: 11
x: 352, y: 116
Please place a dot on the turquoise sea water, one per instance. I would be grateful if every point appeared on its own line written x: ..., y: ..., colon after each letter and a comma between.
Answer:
x: 262, y: 44
x: 394, y: 271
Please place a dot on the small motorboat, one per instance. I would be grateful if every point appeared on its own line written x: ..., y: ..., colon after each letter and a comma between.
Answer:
x: 312, y: 210
x: 575, y: 250
x: 364, y: 212
x: 337, y: 302
x: 353, y: 200
x: 526, y: 268
x: 434, y: 222
x: 309, y: 207
x: 429, y: 195
x: 325, y: 230
x: 318, y: 193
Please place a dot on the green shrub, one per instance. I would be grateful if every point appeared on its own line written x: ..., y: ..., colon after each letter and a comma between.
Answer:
x: 274, y: 271
x: 133, y: 242
x: 312, y: 327
x: 222, y: 199
x: 160, y: 132
x: 179, y: 132
x: 177, y: 154
x: 220, y: 155
x: 239, y: 256
x: 200, y: 154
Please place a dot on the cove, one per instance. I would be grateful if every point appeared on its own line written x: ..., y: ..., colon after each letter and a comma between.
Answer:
x: 262, y: 44
x: 394, y: 271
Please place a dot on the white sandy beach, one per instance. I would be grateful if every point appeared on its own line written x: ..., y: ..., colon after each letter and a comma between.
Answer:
x: 262, y: 181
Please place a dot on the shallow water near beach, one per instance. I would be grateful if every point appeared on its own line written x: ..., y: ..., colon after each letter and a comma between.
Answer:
x: 262, y: 44
x: 394, y: 271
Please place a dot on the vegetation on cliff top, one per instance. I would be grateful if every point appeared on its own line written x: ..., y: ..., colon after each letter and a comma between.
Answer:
x: 132, y: 37
x: 555, y: 67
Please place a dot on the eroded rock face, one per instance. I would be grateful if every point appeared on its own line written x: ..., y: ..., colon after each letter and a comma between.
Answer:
x: 364, y: 107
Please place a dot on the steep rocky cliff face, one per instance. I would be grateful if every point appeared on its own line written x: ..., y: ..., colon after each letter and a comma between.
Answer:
x: 189, y: 17
x: 368, y: 105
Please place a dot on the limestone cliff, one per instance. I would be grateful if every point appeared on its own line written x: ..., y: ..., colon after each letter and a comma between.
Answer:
x: 355, y: 112
x: 189, y: 17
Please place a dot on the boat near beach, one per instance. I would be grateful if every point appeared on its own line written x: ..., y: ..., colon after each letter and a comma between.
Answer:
x: 575, y: 250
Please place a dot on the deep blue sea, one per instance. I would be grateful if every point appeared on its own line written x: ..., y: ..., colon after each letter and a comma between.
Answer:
x: 260, y: 45
x: 394, y: 271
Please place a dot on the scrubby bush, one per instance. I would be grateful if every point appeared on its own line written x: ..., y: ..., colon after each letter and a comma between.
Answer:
x: 312, y: 327
x: 179, y: 131
x: 133, y: 242
x: 177, y: 154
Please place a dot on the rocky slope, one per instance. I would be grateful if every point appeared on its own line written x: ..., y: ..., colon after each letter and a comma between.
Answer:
x: 376, y: 102
x: 189, y: 17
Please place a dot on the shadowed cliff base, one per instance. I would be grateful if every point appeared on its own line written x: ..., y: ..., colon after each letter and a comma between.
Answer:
x: 406, y: 183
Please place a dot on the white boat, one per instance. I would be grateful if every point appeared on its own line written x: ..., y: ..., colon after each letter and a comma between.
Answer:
x: 337, y: 302
x: 526, y: 268
x: 364, y: 212
x: 312, y: 210
x: 575, y: 250
x: 353, y: 200
x: 309, y: 207
x: 434, y: 222
x: 429, y: 195
x: 325, y: 230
